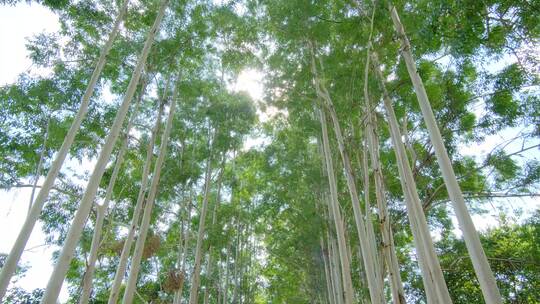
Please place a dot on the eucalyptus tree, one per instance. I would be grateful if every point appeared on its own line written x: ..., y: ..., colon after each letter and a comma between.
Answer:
x: 480, y: 262
x: 230, y: 119
x: 56, y: 280
x: 126, y: 248
x: 101, y: 210
x: 336, y: 213
x: 33, y: 214
x: 145, y: 221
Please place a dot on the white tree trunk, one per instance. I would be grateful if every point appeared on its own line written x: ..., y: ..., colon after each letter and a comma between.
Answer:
x: 122, y: 263
x: 329, y: 287
x: 195, y: 280
x: 396, y: 286
x: 366, y: 238
x: 101, y: 213
x: 338, y: 278
x: 226, y: 283
x: 16, y: 251
x: 184, y: 249
x: 348, y: 293
x: 214, y: 219
x: 145, y: 223
x: 40, y: 165
x: 434, y: 284
x: 55, y: 282
x: 483, y: 271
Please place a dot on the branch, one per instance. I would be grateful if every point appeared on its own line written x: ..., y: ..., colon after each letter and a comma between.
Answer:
x: 39, y: 186
x: 500, y: 195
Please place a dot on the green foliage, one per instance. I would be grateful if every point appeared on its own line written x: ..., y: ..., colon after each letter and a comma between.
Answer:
x: 513, y: 252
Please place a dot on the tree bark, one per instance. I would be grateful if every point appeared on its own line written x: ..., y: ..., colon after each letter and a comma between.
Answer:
x: 366, y: 238
x: 338, y: 281
x: 226, y: 284
x: 101, y: 211
x: 40, y: 165
x: 194, y: 290
x: 126, y: 249
x: 348, y: 293
x: 214, y: 219
x: 16, y: 251
x: 483, y: 271
x: 145, y: 223
x: 434, y: 284
x: 396, y: 286
x: 184, y: 248
x: 74, y: 234
x: 329, y: 287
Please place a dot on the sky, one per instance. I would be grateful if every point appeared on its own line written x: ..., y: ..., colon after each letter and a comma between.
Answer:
x: 24, y: 20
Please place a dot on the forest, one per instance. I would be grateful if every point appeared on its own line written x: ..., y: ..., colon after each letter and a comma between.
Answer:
x: 387, y: 134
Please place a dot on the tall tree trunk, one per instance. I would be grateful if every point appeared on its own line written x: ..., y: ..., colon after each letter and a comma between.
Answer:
x: 126, y: 249
x: 396, y: 286
x: 434, y: 284
x: 338, y: 278
x: 236, y: 260
x: 74, y: 234
x: 16, y: 251
x: 226, y: 284
x: 214, y: 219
x: 366, y: 239
x: 182, y: 262
x: 329, y: 287
x: 145, y: 223
x: 206, y: 296
x: 40, y: 164
x: 369, y: 223
x: 389, y: 251
x: 484, y: 274
x: 101, y: 210
x: 195, y: 280
x: 348, y: 293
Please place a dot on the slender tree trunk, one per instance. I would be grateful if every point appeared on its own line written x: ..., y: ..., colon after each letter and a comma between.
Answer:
x: 145, y: 223
x: 16, y: 251
x: 434, y: 284
x: 186, y: 237
x: 369, y: 223
x: 396, y: 286
x: 126, y: 249
x: 206, y: 296
x: 195, y: 280
x: 483, y: 271
x: 74, y: 234
x: 96, y: 238
x: 101, y: 211
x: 40, y: 164
x: 218, y: 283
x: 236, y: 260
x: 226, y: 285
x: 366, y: 239
x: 348, y: 294
x: 338, y: 278
x: 214, y: 219
x: 329, y: 287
